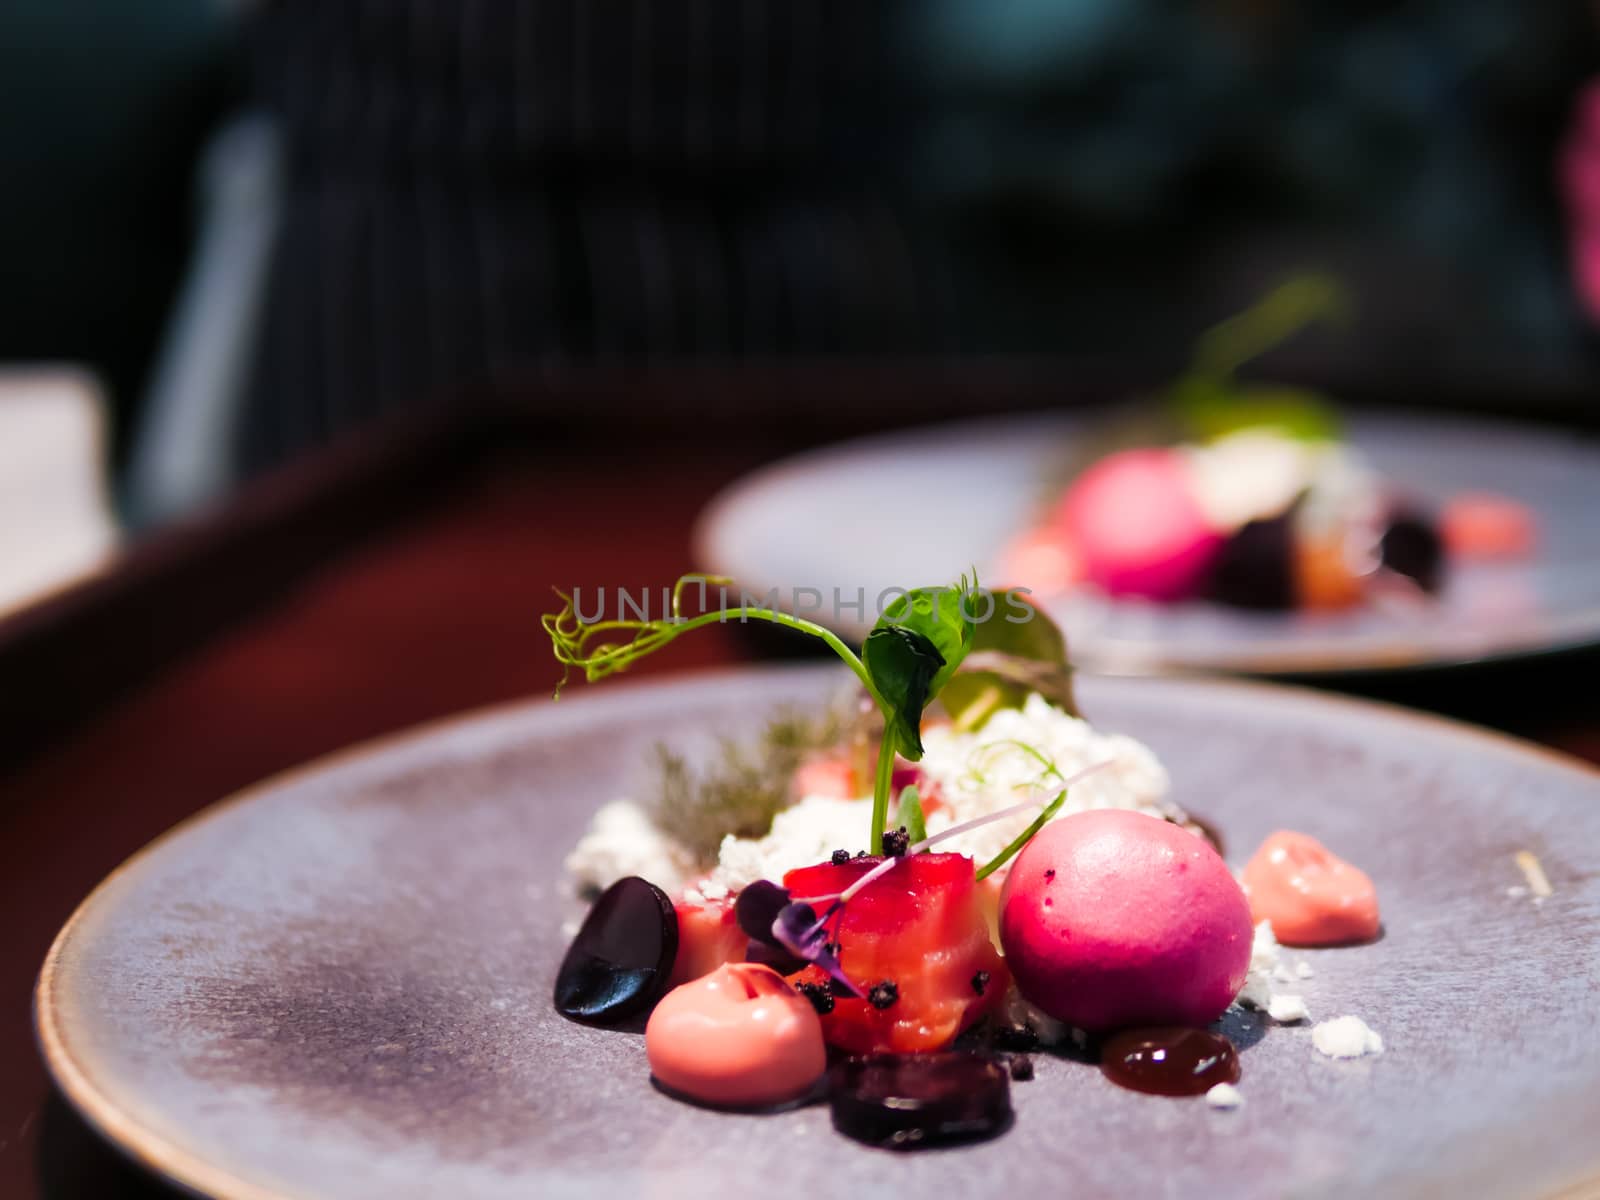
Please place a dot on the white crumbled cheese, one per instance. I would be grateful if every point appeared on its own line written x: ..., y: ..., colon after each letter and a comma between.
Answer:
x: 1264, y: 959
x: 1286, y: 1009
x: 623, y: 840
x: 1516, y: 891
x: 1224, y: 1095
x: 802, y: 836
x: 1302, y: 970
x: 1283, y: 973
x: 1345, y: 1037
x: 1020, y: 754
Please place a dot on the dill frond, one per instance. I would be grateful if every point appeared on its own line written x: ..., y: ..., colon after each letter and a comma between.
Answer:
x: 745, y: 785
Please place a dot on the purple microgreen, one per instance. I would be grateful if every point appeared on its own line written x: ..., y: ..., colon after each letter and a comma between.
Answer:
x: 799, y: 930
x: 758, y: 906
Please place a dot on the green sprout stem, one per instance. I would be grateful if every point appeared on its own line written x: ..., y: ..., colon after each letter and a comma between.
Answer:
x: 591, y: 648
x: 881, y: 784
x: 1022, y: 839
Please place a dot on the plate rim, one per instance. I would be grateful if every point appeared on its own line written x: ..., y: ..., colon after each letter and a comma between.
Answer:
x: 1264, y: 665
x: 193, y: 1173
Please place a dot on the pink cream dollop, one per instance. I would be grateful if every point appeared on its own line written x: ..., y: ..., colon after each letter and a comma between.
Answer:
x: 740, y: 1037
x: 1311, y: 895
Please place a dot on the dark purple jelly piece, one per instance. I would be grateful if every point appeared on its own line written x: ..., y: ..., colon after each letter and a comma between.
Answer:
x: 1411, y: 546
x: 904, y: 1102
x: 619, y: 963
x: 1255, y: 567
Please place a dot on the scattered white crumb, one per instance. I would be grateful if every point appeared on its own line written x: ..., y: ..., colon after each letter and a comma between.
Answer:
x: 1533, y: 871
x: 1264, y: 960
x: 1516, y: 891
x: 1284, y: 973
x: 569, y: 929
x: 1302, y: 970
x: 1346, y: 1037
x: 1286, y: 1009
x: 1224, y: 1095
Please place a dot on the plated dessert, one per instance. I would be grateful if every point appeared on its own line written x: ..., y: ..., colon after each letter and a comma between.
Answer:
x: 1250, y: 496
x: 892, y: 905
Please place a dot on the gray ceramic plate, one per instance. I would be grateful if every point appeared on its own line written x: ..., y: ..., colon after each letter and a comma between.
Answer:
x: 338, y: 985
x: 924, y: 506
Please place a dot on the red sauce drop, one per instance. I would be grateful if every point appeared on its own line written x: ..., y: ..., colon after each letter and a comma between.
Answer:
x: 1169, y: 1060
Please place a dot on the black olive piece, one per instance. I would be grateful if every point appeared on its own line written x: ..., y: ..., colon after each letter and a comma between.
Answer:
x: 620, y: 961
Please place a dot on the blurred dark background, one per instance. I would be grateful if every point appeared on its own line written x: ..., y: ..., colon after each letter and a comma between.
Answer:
x: 239, y: 238
x: 264, y: 224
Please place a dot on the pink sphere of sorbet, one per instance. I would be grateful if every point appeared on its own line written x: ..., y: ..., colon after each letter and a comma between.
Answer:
x: 740, y: 1036
x: 1112, y: 918
x: 1137, y: 528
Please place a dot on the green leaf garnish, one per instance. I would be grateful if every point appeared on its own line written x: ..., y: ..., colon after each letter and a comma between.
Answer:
x: 909, y: 655
x: 944, y: 616
x: 904, y: 665
x: 1009, y: 659
x: 909, y: 815
x: 1022, y: 839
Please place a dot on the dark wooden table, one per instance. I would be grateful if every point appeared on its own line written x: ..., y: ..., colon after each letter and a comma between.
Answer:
x: 389, y: 582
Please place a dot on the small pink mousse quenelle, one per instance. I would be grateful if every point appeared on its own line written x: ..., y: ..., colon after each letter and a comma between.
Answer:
x: 1137, y: 528
x: 1311, y: 895
x: 1112, y: 918
x: 740, y: 1037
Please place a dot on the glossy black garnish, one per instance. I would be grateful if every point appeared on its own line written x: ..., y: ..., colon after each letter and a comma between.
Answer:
x: 1021, y: 1068
x: 980, y: 981
x: 1017, y: 1038
x: 884, y: 994
x: 896, y: 842
x: 840, y: 857
x: 820, y: 996
x: 619, y: 963
x: 904, y: 1102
